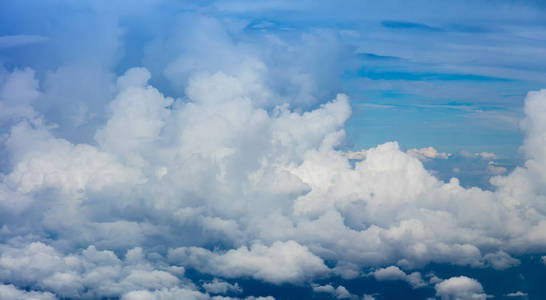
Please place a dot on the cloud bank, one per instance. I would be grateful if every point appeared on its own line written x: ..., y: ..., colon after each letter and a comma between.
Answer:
x: 240, y: 174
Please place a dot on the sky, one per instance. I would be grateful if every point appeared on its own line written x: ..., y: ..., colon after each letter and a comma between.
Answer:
x: 272, y: 150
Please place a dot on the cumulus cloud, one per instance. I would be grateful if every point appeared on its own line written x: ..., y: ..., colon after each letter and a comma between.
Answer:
x: 428, y: 153
x: 392, y: 273
x: 501, y: 260
x: 217, y: 286
x: 228, y: 162
x: 17, y: 93
x: 517, y: 294
x: 460, y: 288
x: 95, y: 274
x: 178, y: 293
x: 9, y: 291
x: 339, y: 293
x: 278, y: 186
x: 487, y: 155
x: 282, y: 262
x: 89, y: 274
x: 496, y: 170
x: 357, y: 154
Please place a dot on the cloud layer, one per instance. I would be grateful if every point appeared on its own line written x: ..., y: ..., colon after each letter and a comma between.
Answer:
x: 109, y: 187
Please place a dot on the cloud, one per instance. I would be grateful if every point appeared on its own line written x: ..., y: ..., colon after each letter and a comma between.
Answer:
x: 279, y: 196
x: 9, y: 291
x: 95, y: 274
x: 91, y: 273
x: 360, y: 155
x: 178, y: 293
x: 282, y: 262
x: 8, y: 41
x: 217, y: 286
x: 222, y: 154
x: 487, y: 155
x: 339, y: 293
x: 461, y: 287
x: 428, y: 153
x: 393, y: 273
x: 501, y: 260
x: 496, y: 170
x: 17, y: 93
x: 517, y: 294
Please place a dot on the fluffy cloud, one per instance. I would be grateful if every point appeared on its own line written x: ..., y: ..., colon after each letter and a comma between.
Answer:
x: 217, y: 286
x: 9, y: 291
x: 460, y: 288
x: 17, y: 92
x: 394, y: 273
x: 95, y: 274
x: 178, y: 293
x: 339, y: 293
x: 428, y: 153
x: 111, y: 188
x: 91, y: 274
x: 357, y: 154
x: 517, y: 294
x: 273, y: 180
x: 282, y: 262
x: 501, y: 260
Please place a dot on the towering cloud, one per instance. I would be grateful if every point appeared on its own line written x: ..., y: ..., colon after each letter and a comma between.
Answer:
x: 239, y: 173
x: 164, y: 172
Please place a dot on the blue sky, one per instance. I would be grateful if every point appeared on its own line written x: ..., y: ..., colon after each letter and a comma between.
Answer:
x: 293, y: 149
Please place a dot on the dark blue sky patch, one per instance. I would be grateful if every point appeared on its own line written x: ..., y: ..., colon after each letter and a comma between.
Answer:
x: 418, y: 76
x: 377, y: 57
x: 410, y: 26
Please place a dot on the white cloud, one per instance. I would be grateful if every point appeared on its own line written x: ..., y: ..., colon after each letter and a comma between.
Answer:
x: 217, y: 286
x: 501, y: 260
x: 360, y: 155
x: 9, y: 291
x: 428, y: 153
x: 281, y: 262
x: 90, y: 274
x: 487, y: 155
x: 222, y: 164
x: 496, y: 170
x: 460, y: 288
x: 238, y: 161
x: 517, y: 294
x: 339, y: 293
x: 393, y: 273
x: 51, y: 162
x: 17, y: 93
x: 180, y: 293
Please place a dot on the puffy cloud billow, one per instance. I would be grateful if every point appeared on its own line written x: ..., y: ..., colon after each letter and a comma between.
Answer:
x: 239, y: 174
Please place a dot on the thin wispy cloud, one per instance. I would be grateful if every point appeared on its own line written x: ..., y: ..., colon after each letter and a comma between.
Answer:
x: 9, y: 41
